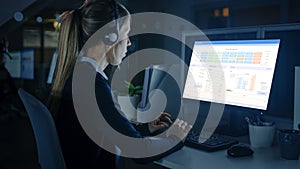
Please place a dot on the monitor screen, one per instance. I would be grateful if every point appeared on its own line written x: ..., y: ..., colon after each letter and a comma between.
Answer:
x: 52, y: 68
x: 247, y: 68
x: 21, y: 64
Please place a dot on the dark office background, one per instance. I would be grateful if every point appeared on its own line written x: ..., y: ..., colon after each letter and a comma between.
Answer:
x: 207, y: 15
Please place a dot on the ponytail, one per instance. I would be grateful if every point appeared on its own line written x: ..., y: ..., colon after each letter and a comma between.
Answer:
x: 77, y: 27
x: 68, y: 49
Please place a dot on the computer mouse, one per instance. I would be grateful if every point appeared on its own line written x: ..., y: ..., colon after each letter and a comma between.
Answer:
x: 239, y: 150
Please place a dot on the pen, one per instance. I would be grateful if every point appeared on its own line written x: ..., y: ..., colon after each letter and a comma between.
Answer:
x: 259, y: 122
x: 249, y: 121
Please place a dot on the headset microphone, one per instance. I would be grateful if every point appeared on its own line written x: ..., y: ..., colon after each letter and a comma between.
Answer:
x: 112, y: 36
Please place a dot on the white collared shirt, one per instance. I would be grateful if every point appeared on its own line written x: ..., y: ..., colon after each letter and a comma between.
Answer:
x: 94, y: 64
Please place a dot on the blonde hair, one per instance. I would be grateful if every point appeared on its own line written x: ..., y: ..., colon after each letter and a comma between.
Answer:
x: 68, y: 49
x: 75, y: 30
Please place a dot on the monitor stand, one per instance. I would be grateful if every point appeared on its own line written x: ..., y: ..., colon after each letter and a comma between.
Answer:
x: 233, y: 124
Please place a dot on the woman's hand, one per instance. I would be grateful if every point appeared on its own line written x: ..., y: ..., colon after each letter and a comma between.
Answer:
x: 180, y: 129
x: 163, y: 121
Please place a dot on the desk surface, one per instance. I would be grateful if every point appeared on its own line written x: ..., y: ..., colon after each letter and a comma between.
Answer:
x: 190, y: 158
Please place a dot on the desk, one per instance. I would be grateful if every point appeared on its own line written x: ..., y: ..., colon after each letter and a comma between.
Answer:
x: 190, y: 158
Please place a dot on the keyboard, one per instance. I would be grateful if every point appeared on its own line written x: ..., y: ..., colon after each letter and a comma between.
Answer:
x: 214, y: 143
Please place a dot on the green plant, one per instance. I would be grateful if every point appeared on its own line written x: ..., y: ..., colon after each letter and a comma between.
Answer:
x: 134, y: 90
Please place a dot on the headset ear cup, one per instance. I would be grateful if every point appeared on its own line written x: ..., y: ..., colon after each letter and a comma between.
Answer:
x: 111, y: 38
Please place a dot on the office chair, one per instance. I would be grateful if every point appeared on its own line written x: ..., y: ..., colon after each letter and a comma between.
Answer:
x: 49, y: 151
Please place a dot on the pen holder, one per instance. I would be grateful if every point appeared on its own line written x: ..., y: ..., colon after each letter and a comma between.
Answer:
x: 261, y: 136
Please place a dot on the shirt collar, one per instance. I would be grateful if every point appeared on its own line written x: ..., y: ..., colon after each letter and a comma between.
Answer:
x: 94, y: 64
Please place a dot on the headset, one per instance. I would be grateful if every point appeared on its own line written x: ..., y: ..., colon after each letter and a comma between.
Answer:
x: 112, y: 36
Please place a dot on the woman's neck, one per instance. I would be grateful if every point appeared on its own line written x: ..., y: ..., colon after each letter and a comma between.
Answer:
x: 99, y: 56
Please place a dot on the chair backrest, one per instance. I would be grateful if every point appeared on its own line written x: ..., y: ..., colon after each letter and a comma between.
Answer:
x: 49, y: 151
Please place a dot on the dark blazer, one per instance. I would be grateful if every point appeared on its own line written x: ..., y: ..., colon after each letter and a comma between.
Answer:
x: 80, y: 152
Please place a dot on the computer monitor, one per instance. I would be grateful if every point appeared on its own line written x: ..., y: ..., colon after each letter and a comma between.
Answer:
x: 161, y: 92
x: 21, y: 64
x: 231, y: 79
x: 247, y: 68
x: 52, y: 68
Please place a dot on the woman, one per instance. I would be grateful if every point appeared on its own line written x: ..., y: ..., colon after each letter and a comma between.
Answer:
x: 77, y: 28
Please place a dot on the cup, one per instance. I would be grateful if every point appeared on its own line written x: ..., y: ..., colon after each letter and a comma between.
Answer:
x: 289, y: 144
x: 261, y: 136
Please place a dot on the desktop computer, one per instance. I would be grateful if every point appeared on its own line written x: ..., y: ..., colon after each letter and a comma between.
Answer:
x: 161, y: 92
x: 235, y: 73
x: 229, y: 75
